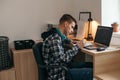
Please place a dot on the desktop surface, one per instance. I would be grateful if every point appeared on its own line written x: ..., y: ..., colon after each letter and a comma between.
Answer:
x: 106, y: 51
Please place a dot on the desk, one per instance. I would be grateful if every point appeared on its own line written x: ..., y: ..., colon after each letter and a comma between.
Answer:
x: 105, y: 63
x: 25, y: 65
x: 8, y: 74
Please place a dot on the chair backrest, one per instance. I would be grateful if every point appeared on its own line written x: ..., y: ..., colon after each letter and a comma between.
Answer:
x: 37, y: 51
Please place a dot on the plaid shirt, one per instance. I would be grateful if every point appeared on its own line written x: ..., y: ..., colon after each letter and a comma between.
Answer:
x: 54, y: 54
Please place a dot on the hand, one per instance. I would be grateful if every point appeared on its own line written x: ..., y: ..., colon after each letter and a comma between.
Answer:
x: 68, y: 46
x: 80, y: 43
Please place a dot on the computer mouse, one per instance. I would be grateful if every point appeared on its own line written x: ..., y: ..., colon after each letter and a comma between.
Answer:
x: 100, y: 48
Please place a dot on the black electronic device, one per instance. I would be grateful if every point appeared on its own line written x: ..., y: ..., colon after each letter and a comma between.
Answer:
x: 103, y: 35
x: 23, y: 44
x: 100, y: 48
x: 102, y: 38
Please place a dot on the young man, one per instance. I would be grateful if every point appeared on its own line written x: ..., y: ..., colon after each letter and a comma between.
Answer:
x: 59, y: 50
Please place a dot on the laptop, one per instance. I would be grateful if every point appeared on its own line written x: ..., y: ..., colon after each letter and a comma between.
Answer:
x: 102, y: 38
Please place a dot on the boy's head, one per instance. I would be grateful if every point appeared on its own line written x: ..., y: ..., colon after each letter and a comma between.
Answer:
x: 67, y: 24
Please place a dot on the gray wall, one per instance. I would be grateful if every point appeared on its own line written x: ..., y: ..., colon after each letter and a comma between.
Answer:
x: 93, y: 6
x: 27, y: 19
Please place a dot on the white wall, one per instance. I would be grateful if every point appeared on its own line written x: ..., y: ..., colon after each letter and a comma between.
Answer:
x: 27, y: 19
x: 110, y: 12
x: 93, y: 6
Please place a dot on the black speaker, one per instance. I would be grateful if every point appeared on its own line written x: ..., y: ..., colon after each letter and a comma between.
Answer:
x: 23, y: 44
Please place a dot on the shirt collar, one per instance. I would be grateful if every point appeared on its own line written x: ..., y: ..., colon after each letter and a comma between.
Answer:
x: 60, y: 34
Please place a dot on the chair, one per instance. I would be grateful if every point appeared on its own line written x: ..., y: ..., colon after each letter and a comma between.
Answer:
x: 42, y: 73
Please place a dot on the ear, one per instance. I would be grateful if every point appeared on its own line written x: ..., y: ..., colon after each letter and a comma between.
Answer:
x: 66, y: 24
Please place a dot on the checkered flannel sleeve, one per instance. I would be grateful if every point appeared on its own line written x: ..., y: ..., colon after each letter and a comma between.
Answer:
x: 60, y: 54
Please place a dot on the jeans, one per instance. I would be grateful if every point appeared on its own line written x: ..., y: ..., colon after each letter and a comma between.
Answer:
x: 81, y: 70
x: 82, y: 73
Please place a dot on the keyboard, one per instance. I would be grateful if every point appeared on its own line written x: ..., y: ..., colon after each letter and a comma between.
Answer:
x: 93, y: 46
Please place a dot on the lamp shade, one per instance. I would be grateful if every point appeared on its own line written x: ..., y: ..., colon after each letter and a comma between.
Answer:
x: 92, y: 29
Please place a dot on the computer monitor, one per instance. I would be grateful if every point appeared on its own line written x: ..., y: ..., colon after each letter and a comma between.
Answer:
x: 103, y: 35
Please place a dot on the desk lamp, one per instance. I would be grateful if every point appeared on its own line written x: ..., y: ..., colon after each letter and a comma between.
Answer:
x: 90, y: 27
x: 89, y: 36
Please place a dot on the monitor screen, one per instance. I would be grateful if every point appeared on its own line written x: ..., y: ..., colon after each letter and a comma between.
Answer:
x: 103, y: 35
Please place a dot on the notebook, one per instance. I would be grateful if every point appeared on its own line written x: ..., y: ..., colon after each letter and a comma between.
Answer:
x: 102, y: 38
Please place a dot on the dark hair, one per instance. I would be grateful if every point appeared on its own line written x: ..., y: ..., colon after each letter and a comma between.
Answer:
x: 68, y: 18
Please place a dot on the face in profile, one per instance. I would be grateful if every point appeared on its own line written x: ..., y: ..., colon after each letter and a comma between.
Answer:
x: 69, y: 28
